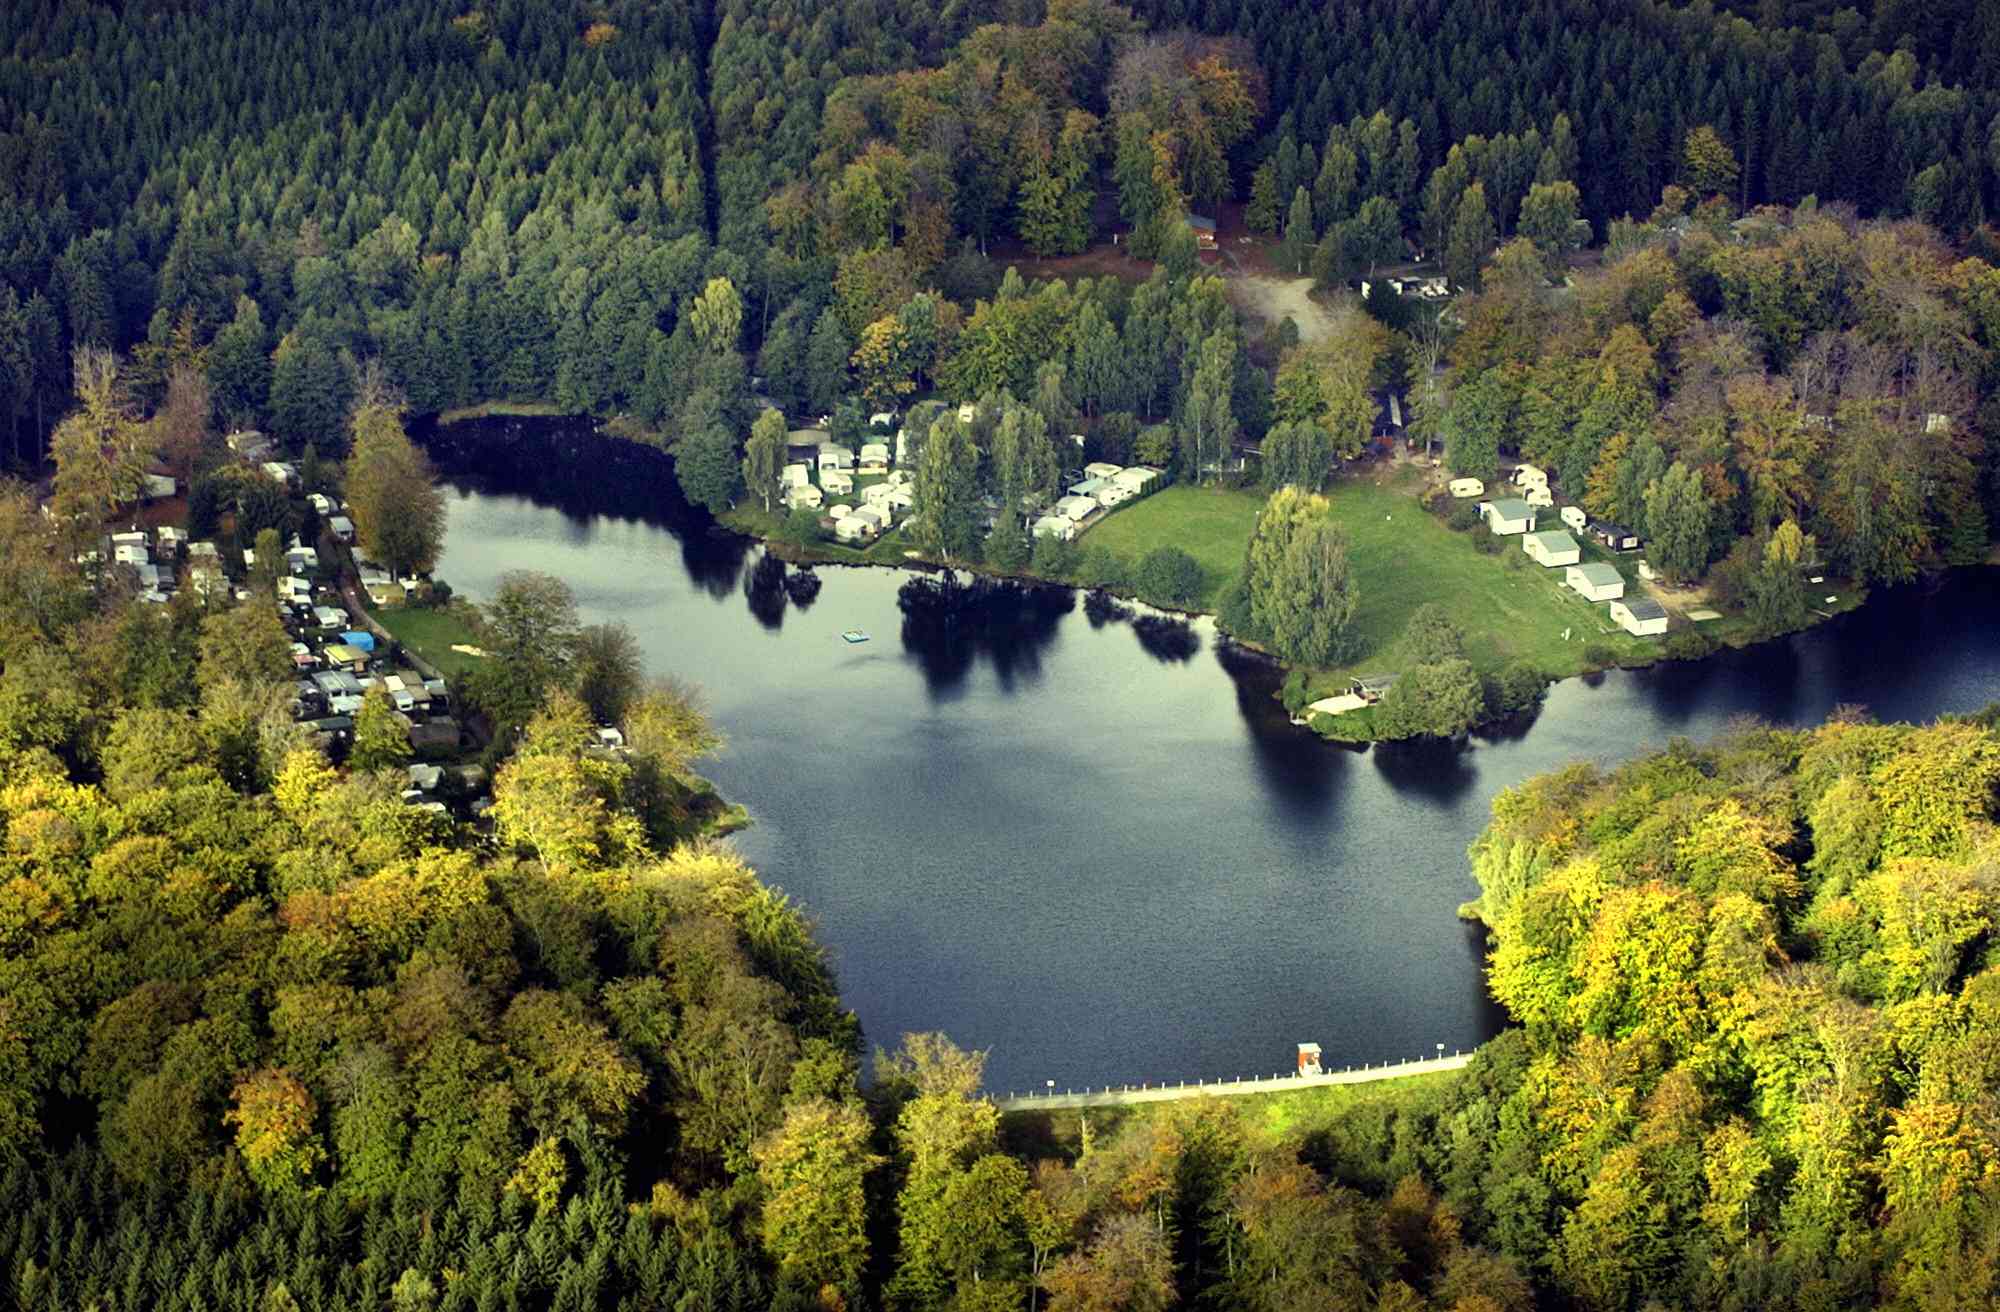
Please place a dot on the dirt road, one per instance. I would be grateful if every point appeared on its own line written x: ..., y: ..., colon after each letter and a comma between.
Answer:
x: 1271, y: 299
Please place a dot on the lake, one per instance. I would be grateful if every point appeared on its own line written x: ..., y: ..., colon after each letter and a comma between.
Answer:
x: 1093, y: 846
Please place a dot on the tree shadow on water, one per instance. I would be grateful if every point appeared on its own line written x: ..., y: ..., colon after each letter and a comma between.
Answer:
x: 764, y: 589
x: 1167, y: 640
x: 1301, y: 772
x: 1436, y: 769
x: 949, y: 625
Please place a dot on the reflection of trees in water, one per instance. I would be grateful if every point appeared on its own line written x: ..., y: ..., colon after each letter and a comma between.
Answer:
x: 1510, y: 728
x: 764, y: 587
x: 802, y: 586
x: 948, y: 624
x: 1301, y: 772
x: 567, y: 463
x: 1165, y: 639
x: 713, y: 558
x: 1437, y: 769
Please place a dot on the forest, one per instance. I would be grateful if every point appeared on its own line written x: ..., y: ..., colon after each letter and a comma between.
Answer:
x: 525, y: 200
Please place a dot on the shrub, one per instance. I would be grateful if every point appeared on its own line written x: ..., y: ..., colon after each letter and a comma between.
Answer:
x: 801, y: 527
x: 1007, y: 546
x: 1233, y: 614
x: 1463, y: 517
x: 1598, y: 655
x: 1688, y: 645
x: 1515, y: 689
x: 1168, y: 576
x: 1054, y: 558
x: 1430, y: 636
x: 1100, y: 567
x: 1296, y: 692
x: 1432, y: 701
x: 1486, y: 544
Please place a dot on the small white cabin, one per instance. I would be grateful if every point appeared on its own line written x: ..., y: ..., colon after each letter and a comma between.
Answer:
x: 1552, y: 548
x: 1574, y: 519
x: 1642, y: 617
x: 808, y: 497
x: 874, y: 458
x: 834, y: 456
x: 1136, y: 477
x: 1507, y: 516
x: 853, y: 529
x: 1464, y: 488
x: 1055, y: 526
x: 1596, y: 581
x: 1113, y: 494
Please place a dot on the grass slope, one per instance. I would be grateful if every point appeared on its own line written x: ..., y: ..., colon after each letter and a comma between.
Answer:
x: 1508, y: 607
x: 1210, y: 524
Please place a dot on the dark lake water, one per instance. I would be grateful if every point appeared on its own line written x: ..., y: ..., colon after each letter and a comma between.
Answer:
x: 1095, y: 848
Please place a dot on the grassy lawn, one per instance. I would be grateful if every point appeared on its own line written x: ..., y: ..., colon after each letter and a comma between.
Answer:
x: 430, y: 634
x: 1508, y: 607
x: 1210, y: 524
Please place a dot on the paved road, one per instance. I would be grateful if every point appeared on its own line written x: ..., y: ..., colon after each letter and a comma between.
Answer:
x: 1125, y: 1095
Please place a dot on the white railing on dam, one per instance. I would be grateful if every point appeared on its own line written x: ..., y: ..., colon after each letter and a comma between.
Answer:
x: 1120, y: 1095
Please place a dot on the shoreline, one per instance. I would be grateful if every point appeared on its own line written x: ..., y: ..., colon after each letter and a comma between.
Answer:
x: 737, y: 523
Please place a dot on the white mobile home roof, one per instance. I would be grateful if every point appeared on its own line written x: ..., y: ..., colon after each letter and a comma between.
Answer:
x: 1598, y: 574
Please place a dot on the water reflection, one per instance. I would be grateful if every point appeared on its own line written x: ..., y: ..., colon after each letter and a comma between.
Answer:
x: 1165, y: 638
x: 950, y: 623
x: 1438, y: 770
x: 764, y: 587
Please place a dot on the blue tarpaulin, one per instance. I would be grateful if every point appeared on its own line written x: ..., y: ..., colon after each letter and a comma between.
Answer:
x: 364, y: 641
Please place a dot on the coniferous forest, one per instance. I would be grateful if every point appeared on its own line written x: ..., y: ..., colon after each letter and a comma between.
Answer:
x: 273, y: 1038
